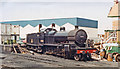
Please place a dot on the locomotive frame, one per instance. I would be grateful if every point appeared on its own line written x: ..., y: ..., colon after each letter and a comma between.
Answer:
x: 71, y: 45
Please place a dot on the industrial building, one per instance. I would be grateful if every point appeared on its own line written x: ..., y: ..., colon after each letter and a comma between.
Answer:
x: 32, y: 26
x: 113, y: 36
x: 115, y: 13
x: 59, y: 21
x: 9, y: 33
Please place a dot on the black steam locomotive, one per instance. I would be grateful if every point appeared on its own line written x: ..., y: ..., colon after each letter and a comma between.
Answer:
x: 66, y: 44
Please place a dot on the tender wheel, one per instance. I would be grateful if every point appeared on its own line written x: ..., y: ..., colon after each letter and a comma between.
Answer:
x: 66, y: 55
x: 106, y: 56
x: 118, y: 58
x: 77, y: 57
x: 89, y: 56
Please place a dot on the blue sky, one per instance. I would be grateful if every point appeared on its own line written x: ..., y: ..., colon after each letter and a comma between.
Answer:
x: 13, y: 10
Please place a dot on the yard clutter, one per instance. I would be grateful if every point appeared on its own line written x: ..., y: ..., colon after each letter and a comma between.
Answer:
x: 112, y: 51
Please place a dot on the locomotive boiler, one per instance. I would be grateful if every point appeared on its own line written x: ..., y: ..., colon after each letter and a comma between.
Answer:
x: 61, y: 43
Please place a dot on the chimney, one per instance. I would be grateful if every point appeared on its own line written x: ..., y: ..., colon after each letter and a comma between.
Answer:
x: 62, y: 28
x: 53, y: 25
x: 40, y: 26
x: 76, y: 27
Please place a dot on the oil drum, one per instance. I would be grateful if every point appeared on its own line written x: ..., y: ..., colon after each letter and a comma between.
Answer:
x: 102, y: 53
x: 109, y: 57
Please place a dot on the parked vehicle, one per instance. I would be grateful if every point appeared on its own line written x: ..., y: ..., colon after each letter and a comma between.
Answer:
x: 114, y: 49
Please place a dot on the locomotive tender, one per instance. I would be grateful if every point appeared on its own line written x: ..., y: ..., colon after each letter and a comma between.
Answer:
x: 66, y: 44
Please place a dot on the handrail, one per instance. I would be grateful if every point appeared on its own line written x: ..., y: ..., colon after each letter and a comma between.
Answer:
x: 14, y: 49
x: 110, y: 35
x: 19, y: 48
x: 110, y: 38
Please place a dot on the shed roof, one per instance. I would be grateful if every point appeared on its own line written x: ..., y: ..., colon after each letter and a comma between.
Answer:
x: 58, y: 21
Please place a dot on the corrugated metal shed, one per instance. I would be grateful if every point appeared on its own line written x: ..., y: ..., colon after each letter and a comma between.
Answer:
x: 26, y: 30
x: 32, y: 26
x: 59, y: 21
x: 29, y: 29
x: 87, y: 23
x: 92, y: 32
x: 68, y: 27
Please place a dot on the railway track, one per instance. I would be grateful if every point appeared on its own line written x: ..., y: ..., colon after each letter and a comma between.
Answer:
x: 45, y: 60
x: 52, y: 61
x: 37, y: 59
x: 91, y: 63
x: 42, y: 60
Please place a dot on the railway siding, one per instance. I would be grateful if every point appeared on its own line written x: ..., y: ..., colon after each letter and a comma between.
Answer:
x: 37, y: 60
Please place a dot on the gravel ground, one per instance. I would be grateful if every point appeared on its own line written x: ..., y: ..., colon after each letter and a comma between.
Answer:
x: 38, y: 60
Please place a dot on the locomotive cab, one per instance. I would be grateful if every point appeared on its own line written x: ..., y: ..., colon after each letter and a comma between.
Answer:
x: 50, y: 31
